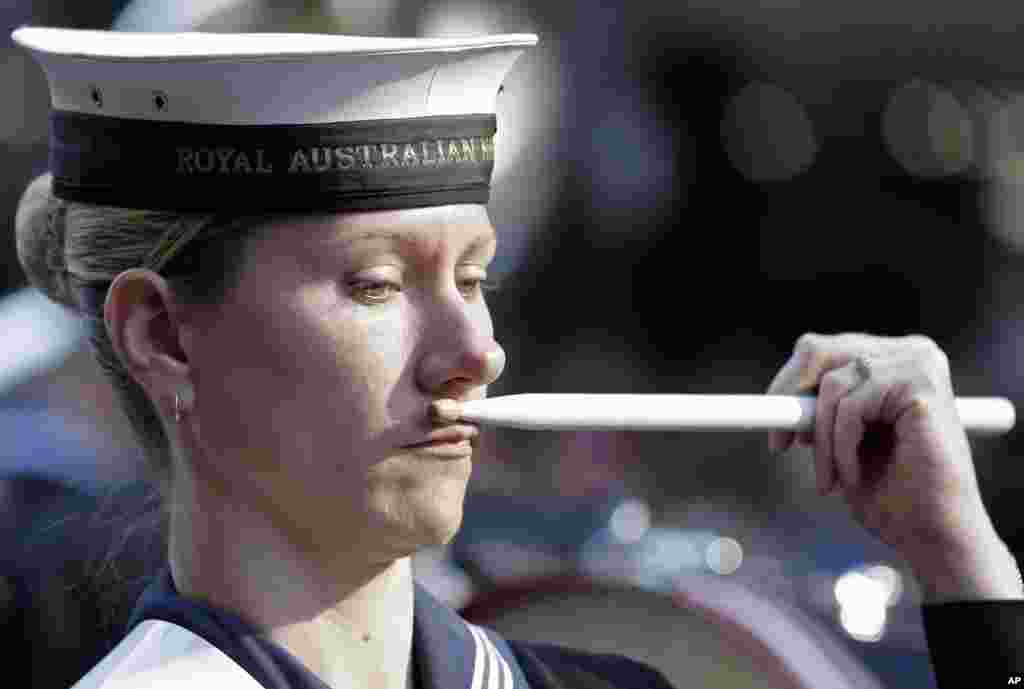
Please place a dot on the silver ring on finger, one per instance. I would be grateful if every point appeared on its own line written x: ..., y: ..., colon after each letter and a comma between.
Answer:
x: 862, y: 365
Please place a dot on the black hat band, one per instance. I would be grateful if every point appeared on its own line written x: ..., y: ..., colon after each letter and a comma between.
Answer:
x: 368, y: 165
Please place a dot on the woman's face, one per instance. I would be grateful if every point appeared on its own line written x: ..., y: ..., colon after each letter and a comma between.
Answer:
x: 313, y: 376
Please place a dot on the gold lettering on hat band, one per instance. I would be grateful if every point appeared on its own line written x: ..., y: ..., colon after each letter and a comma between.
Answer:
x: 205, y: 160
x: 224, y: 161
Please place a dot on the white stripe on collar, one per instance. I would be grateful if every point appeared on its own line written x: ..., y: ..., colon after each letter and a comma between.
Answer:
x: 159, y: 654
x: 498, y: 672
x: 506, y: 671
x: 479, y: 658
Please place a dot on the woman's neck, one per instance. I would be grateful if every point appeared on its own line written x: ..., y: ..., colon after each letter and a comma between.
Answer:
x: 347, y: 621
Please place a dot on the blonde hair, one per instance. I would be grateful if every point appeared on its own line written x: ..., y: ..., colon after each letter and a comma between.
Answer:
x: 73, y: 251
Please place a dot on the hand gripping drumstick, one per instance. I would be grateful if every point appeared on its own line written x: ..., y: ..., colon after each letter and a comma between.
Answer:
x: 593, y: 412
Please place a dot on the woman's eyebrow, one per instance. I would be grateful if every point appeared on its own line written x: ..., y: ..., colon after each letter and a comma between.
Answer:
x: 367, y: 235
x: 482, y: 242
x: 411, y: 239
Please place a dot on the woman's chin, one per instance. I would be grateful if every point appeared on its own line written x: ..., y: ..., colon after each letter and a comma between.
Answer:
x: 439, y: 520
x: 425, y: 517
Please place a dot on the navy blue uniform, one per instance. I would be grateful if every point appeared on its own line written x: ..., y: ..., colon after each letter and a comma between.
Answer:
x: 976, y: 643
x: 448, y: 652
x: 973, y: 644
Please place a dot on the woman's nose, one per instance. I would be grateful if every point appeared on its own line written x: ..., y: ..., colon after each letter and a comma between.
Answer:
x: 460, y: 354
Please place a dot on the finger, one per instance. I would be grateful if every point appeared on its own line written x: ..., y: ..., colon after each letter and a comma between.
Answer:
x: 784, y: 383
x: 815, y: 354
x: 779, y: 441
x: 855, y: 412
x: 800, y: 374
x: 835, y: 385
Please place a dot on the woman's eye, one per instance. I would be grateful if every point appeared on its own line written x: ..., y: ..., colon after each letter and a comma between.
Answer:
x: 373, y: 291
x: 472, y: 287
x: 469, y: 287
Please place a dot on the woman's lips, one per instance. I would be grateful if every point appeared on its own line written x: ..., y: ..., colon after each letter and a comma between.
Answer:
x: 449, y: 441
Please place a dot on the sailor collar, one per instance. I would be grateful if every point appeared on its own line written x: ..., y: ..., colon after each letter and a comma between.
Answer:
x: 173, y: 637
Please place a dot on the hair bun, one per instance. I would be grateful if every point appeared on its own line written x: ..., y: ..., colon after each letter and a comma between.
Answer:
x: 40, y: 227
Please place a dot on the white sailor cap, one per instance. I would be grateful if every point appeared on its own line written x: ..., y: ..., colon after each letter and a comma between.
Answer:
x: 271, y: 122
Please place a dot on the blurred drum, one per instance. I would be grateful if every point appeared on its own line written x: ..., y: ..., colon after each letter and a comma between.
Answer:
x: 705, y: 632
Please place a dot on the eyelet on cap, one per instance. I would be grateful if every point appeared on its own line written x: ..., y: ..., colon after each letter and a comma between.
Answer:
x: 96, y: 95
x: 160, y: 100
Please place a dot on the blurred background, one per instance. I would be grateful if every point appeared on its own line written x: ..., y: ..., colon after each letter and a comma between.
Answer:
x: 681, y: 190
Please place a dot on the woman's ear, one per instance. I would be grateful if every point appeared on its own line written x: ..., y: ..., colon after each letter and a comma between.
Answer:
x: 142, y: 320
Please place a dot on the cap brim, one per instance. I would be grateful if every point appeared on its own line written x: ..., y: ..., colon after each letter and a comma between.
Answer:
x: 163, y: 47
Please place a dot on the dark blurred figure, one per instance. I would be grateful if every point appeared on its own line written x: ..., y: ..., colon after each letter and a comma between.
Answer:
x: 74, y: 552
x: 73, y: 564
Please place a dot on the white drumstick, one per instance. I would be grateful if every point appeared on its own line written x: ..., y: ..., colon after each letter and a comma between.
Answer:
x: 599, y: 412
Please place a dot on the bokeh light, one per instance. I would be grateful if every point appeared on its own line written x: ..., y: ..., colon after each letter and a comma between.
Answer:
x: 890, y: 580
x: 1003, y: 195
x: 363, y: 16
x: 1005, y: 137
x: 768, y: 135
x: 459, y: 18
x: 38, y: 335
x: 631, y: 159
x: 630, y: 521
x: 864, y: 596
x: 161, y: 15
x: 928, y: 130
x: 724, y: 555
